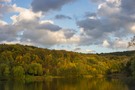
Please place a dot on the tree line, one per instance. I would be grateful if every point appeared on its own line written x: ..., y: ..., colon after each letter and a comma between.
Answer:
x: 18, y: 61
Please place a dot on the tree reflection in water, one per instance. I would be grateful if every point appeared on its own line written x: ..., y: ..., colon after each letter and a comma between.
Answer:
x: 66, y: 84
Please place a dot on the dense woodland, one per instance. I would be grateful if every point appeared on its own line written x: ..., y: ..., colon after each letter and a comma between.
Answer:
x: 18, y: 61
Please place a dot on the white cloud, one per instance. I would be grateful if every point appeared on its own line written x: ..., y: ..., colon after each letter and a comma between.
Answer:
x: 113, y: 19
x: 46, y: 21
x: 3, y: 23
x: 24, y: 14
x: 106, y: 43
x: 108, y: 8
x: 28, y: 27
x: 92, y: 17
x: 48, y: 38
x: 90, y: 51
x: 114, y: 1
x: 120, y: 43
x: 133, y: 28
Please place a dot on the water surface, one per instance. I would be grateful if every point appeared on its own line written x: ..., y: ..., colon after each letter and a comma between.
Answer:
x: 67, y: 84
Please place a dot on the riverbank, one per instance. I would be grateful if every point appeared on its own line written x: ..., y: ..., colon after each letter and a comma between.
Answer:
x: 29, y: 78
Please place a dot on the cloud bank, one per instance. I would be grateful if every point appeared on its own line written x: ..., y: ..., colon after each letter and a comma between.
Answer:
x: 113, y: 21
x: 27, y: 27
x: 109, y: 26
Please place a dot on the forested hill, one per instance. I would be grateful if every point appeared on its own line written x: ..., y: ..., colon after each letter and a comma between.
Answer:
x: 19, y: 61
x: 124, y: 53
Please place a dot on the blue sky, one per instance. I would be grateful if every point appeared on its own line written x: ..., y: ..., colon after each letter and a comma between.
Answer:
x: 88, y: 26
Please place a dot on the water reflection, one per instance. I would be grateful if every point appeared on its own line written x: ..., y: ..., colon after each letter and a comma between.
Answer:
x: 66, y: 84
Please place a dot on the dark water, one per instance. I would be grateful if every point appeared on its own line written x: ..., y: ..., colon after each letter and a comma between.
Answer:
x: 67, y: 84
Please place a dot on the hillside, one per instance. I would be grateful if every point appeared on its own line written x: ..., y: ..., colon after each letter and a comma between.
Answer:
x: 19, y: 60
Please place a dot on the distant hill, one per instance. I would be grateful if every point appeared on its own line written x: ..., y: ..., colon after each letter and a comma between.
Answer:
x: 124, y: 53
x: 20, y: 60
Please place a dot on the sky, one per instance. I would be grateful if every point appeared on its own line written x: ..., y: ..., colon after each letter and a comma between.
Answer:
x: 87, y: 26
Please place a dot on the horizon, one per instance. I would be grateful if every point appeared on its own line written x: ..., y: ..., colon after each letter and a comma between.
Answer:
x: 86, y: 26
x: 67, y: 50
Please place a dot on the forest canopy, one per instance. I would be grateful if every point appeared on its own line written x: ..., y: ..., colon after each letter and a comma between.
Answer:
x: 20, y: 60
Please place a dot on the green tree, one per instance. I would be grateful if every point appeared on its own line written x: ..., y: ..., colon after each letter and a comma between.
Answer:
x: 4, y: 70
x: 18, y: 72
x: 35, y: 69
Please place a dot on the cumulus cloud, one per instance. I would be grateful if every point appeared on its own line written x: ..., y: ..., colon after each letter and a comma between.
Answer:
x: 106, y: 43
x: 69, y: 33
x: 29, y: 20
x: 47, y: 5
x: 62, y: 17
x: 120, y: 43
x: 3, y: 23
x: 24, y: 14
x: 47, y: 38
x: 7, y: 32
x: 48, y: 26
x: 27, y: 27
x: 113, y: 19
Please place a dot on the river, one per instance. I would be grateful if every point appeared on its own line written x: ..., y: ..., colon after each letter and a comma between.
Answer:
x: 67, y: 84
